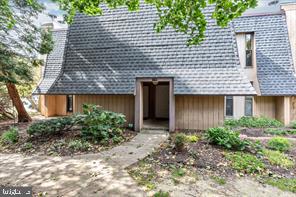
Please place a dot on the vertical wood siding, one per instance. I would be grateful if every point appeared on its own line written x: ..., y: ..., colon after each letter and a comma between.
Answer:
x: 265, y: 106
x: 53, y: 105
x: 117, y: 103
x: 199, y: 112
x: 293, y: 108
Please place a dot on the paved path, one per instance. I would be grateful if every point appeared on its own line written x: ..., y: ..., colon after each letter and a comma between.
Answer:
x: 101, y: 174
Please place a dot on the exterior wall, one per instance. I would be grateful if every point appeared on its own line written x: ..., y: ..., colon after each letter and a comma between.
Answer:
x: 265, y: 106
x: 199, y: 112
x: 293, y: 108
x: 290, y: 11
x: 53, y: 105
x: 251, y: 72
x: 117, y: 103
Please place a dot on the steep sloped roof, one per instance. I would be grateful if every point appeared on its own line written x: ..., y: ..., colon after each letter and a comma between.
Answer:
x: 53, y: 62
x: 275, y: 71
x: 105, y: 55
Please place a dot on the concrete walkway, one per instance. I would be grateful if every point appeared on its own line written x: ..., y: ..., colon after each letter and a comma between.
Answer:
x: 101, y: 174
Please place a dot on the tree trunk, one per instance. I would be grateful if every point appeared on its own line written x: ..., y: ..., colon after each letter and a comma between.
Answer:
x: 23, y: 116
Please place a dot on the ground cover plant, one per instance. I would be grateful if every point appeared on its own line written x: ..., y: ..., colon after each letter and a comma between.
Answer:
x: 287, y: 184
x: 253, y: 122
x: 10, y: 136
x: 279, y: 143
x: 276, y: 131
x: 278, y: 158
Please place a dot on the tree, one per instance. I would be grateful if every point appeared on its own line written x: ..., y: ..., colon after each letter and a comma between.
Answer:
x: 184, y: 16
x: 20, y: 43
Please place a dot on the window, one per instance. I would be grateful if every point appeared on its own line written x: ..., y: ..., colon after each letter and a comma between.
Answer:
x: 249, y: 49
x: 248, y: 106
x: 69, y: 103
x: 229, y: 105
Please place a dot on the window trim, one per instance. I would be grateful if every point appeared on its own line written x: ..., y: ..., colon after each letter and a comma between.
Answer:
x: 252, y: 110
x: 232, y: 98
x: 69, y: 108
x: 251, y: 49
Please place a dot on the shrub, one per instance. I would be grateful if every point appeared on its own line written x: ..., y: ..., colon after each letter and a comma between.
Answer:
x: 161, y: 194
x: 278, y: 158
x: 53, y: 126
x: 100, y: 125
x: 192, y: 138
x: 274, y: 131
x: 245, y: 163
x: 253, y: 122
x: 279, y: 143
x: 294, y: 124
x: 225, y: 137
x: 78, y: 145
x: 180, y: 141
x: 10, y: 136
x: 287, y: 184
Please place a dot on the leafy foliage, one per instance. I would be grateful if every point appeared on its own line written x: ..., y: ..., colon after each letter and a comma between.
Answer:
x: 192, y: 138
x: 183, y: 15
x: 279, y: 143
x: 100, y: 125
x: 253, y: 122
x: 294, y: 124
x: 161, y: 193
x: 245, y: 163
x: 5, y: 104
x: 11, y: 136
x: 274, y: 131
x: 287, y: 184
x: 53, y: 126
x: 78, y: 145
x: 225, y: 137
x: 278, y: 158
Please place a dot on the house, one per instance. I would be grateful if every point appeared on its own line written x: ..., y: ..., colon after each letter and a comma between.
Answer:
x: 119, y: 62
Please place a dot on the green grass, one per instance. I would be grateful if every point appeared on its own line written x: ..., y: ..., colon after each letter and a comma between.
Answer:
x: 279, y: 143
x: 144, y: 175
x: 286, y: 184
x: 277, y: 158
x: 245, y: 162
x: 253, y: 122
x: 218, y: 180
x: 10, y: 136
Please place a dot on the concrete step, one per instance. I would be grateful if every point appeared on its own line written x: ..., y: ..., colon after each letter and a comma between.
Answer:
x: 154, y: 130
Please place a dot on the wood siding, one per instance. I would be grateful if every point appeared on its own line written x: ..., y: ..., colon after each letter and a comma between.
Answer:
x: 293, y: 108
x: 117, y: 103
x: 265, y: 106
x: 199, y: 112
x: 53, y: 105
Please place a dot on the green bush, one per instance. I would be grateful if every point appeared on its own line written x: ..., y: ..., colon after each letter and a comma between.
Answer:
x: 279, y: 143
x: 274, y: 131
x: 278, y: 158
x: 253, y: 122
x: 100, y: 125
x: 78, y: 145
x: 10, y: 136
x: 53, y: 126
x: 180, y: 141
x: 294, y: 124
x: 245, y: 163
x: 225, y: 137
x: 192, y: 138
x: 161, y: 194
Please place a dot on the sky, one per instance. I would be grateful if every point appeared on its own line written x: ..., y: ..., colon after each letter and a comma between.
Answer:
x: 52, y: 8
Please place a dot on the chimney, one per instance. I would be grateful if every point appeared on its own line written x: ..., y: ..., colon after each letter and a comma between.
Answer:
x: 290, y: 12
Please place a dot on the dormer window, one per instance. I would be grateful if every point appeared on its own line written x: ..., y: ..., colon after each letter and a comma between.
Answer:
x: 249, y: 37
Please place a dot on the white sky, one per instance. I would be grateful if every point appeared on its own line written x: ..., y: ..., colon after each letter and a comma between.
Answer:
x: 52, y: 8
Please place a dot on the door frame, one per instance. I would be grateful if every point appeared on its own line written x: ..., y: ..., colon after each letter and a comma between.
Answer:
x: 139, y: 101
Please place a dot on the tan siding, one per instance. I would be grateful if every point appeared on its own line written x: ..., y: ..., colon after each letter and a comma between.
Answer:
x: 61, y: 105
x: 280, y: 110
x: 199, y: 112
x: 117, y: 103
x: 293, y: 108
x: 265, y: 106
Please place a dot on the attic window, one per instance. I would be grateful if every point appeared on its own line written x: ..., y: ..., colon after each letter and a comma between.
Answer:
x: 249, y: 49
x: 69, y: 103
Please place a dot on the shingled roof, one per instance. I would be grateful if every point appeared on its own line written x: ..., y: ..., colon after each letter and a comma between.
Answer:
x: 105, y: 55
x: 53, y: 62
x: 275, y: 71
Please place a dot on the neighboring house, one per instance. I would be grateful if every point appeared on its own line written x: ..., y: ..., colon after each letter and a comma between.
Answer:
x: 119, y: 62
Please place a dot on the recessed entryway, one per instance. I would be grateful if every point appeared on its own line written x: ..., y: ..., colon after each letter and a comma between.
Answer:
x: 155, y: 105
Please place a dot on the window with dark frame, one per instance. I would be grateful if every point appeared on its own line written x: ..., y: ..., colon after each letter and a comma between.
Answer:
x: 249, y: 49
x: 248, y: 106
x: 229, y: 105
x: 69, y: 103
